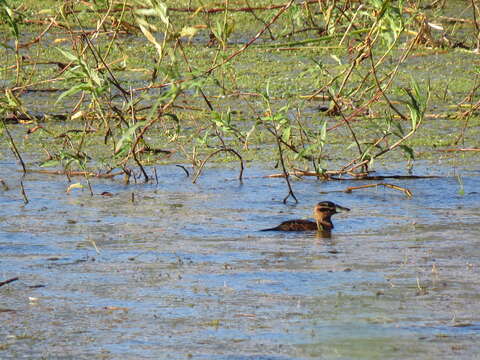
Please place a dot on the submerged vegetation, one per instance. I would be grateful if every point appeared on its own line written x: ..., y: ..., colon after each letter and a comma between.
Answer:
x: 321, y: 88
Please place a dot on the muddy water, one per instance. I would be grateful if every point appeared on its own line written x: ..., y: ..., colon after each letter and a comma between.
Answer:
x: 182, y: 272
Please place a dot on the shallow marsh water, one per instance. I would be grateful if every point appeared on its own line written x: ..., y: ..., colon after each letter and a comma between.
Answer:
x: 183, y: 272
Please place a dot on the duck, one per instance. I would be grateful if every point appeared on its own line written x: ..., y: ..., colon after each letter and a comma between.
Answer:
x: 322, y: 212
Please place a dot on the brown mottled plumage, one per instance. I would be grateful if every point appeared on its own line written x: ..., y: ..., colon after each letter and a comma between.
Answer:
x: 322, y: 213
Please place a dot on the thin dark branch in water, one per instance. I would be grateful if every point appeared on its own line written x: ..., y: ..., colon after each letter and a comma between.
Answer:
x: 184, y: 169
x: 156, y: 176
x: 180, y: 46
x: 354, y: 136
x: 406, y: 191
x: 89, y: 184
x: 99, y: 58
x: 285, y: 172
x: 14, y: 147
x: 291, y: 147
x: 25, y: 199
x: 9, y: 281
x: 380, y: 89
x: 139, y: 137
x: 128, y: 174
x: 142, y: 169
x: 200, y: 168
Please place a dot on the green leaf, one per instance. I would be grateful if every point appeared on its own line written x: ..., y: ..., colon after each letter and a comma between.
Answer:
x: 408, y: 150
x: 323, y: 132
x: 50, y: 163
x: 286, y: 134
x: 69, y: 55
x: 128, y: 135
x: 9, y: 16
x: 72, y: 91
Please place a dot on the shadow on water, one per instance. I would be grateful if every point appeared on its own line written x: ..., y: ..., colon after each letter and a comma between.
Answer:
x: 183, y: 271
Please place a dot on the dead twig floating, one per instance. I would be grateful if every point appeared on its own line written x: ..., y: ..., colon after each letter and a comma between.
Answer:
x: 328, y: 175
x: 8, y: 281
x: 380, y: 177
x: 406, y: 191
x: 298, y: 173
x: 200, y: 168
x: 76, y: 173
x: 463, y: 149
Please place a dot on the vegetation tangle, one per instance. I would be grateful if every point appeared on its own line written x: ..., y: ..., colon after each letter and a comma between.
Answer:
x: 321, y: 88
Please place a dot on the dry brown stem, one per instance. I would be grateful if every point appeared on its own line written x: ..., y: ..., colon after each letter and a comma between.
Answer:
x: 406, y: 191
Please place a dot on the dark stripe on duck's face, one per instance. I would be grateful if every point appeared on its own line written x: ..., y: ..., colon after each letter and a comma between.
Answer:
x: 325, y: 209
x: 329, y: 207
x: 326, y: 203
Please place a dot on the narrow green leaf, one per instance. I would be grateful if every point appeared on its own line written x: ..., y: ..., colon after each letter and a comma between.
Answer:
x: 128, y: 134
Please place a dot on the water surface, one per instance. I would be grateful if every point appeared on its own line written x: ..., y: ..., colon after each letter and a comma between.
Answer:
x: 184, y: 272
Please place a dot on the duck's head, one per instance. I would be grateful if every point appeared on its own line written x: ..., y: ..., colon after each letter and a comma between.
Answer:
x: 322, y: 213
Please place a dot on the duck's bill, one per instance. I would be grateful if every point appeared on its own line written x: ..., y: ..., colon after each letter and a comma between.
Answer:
x: 341, y: 208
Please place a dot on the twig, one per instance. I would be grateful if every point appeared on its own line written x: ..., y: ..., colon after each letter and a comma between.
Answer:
x: 200, y: 168
x: 88, y: 183
x: 8, y: 281
x: 25, y: 199
x: 328, y: 175
x: 39, y: 37
x: 184, y: 169
x: 379, y: 86
x: 380, y: 177
x: 299, y: 173
x: 406, y: 191
x: 285, y: 172
x: 462, y: 149
x: 14, y: 147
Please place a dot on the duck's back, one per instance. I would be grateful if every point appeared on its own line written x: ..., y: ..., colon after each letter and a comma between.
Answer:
x: 295, y: 225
